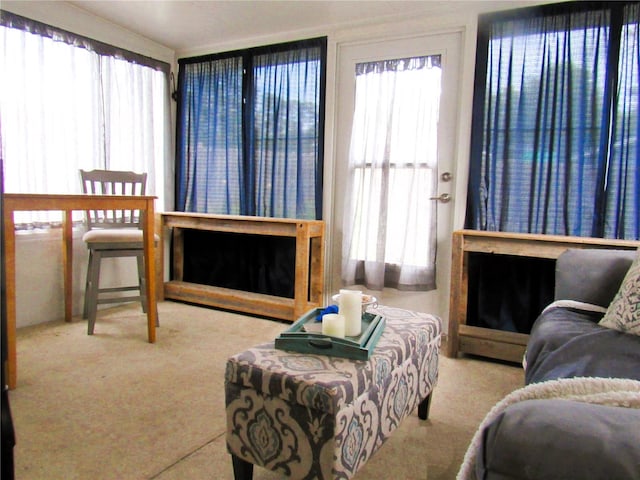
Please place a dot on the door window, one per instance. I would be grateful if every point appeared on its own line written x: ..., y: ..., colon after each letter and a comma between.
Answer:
x: 390, y: 220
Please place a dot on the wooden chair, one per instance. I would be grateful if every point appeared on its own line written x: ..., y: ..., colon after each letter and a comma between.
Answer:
x: 112, y: 233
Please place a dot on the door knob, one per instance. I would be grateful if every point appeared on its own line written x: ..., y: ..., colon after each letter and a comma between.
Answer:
x: 444, y: 198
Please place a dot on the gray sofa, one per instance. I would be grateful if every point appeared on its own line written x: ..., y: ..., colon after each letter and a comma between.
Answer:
x: 553, y: 428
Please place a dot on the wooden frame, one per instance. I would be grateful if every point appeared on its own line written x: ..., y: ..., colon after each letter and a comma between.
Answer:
x: 489, y: 342
x: 309, y: 264
x: 67, y: 203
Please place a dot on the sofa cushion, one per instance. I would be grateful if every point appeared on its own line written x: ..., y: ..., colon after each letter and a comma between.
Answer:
x: 591, y: 275
x: 624, y: 311
x: 560, y: 439
x: 567, y: 343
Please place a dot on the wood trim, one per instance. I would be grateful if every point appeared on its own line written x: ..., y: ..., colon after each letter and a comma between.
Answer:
x: 309, y: 264
x: 230, y: 299
x: 490, y: 342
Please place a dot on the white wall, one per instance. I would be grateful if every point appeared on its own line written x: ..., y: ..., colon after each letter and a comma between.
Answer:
x: 39, y: 284
x: 39, y: 276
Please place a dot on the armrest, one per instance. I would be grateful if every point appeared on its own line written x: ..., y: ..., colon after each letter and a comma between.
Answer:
x: 560, y: 439
x: 591, y: 275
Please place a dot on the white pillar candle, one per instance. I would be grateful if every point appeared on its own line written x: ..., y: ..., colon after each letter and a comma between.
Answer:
x: 350, y: 306
x: 333, y: 325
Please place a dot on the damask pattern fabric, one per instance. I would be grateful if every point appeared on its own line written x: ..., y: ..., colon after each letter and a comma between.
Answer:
x: 624, y: 312
x: 316, y: 416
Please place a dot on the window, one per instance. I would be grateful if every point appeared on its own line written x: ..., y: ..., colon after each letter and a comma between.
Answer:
x: 250, y: 131
x: 555, y: 121
x: 70, y: 103
x: 390, y: 225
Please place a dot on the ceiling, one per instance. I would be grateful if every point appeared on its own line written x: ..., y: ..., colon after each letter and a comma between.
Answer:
x: 182, y: 25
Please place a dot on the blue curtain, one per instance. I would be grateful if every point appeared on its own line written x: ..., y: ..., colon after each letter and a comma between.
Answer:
x: 622, y: 204
x: 554, y: 146
x: 250, y: 132
x: 284, y: 144
x: 210, y: 166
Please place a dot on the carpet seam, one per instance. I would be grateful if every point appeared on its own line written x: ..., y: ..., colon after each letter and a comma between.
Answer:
x: 186, y: 456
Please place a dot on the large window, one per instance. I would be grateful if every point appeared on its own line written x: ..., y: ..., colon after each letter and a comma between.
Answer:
x: 250, y: 131
x: 389, y: 227
x: 71, y: 103
x: 555, y: 128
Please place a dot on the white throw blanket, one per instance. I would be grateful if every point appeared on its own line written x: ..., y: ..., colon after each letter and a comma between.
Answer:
x: 589, y: 307
x: 617, y: 392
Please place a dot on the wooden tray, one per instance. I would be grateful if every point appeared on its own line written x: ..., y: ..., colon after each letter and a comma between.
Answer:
x: 310, y: 340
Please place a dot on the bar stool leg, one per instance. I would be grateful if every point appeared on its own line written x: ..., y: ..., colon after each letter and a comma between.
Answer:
x: 87, y: 287
x: 91, y: 295
x: 141, y: 282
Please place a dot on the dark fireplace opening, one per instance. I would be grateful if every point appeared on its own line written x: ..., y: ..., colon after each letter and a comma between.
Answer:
x: 252, y: 263
x: 507, y: 292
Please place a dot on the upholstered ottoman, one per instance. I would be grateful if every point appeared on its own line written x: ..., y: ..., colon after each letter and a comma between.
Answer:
x: 312, y: 416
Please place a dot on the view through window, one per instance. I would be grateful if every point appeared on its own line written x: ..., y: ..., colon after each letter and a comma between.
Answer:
x: 394, y: 150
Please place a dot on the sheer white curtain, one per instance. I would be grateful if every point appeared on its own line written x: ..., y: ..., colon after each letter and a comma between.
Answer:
x: 389, y: 228
x: 64, y: 107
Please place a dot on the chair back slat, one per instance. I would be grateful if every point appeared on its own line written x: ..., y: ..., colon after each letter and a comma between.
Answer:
x: 113, y: 182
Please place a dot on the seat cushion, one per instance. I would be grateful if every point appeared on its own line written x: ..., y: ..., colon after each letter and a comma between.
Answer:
x: 115, y: 235
x: 567, y: 343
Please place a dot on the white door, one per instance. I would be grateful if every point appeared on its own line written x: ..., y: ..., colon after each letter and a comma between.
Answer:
x: 447, y: 46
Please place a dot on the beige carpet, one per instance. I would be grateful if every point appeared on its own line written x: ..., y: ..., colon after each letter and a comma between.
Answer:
x: 113, y: 406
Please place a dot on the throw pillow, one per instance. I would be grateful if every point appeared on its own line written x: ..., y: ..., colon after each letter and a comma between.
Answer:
x: 624, y: 311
